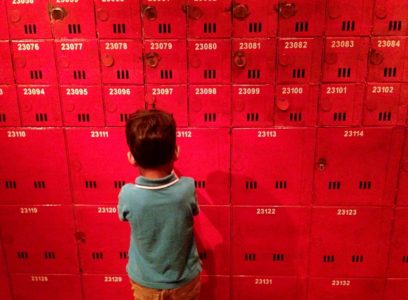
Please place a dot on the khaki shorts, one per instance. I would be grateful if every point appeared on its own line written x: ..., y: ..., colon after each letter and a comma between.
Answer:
x: 189, y: 291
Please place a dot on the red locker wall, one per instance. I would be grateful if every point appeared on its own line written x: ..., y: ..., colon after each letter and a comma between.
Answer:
x: 292, y: 119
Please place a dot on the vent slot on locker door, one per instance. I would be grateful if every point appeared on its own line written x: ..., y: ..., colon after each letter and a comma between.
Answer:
x: 334, y: 185
x: 357, y: 258
x: 384, y: 116
x: 203, y: 255
x: 89, y: 184
x: 210, y: 117
x: 2, y: 117
x: 97, y: 255
x: 164, y: 28
x: 123, y: 255
x: 36, y: 74
x: 210, y: 27
x: 118, y: 184
x: 339, y: 116
x: 84, y: 118
x: 295, y: 117
x: 348, y: 25
x: 255, y: 27
x: 302, y: 26
x: 252, y: 117
x: 343, y: 72
x: 281, y: 185
x: 74, y: 28
x: 124, y: 117
x: 41, y: 117
x: 49, y: 255
x: 30, y: 29
x: 298, y: 73
x: 390, y: 72
x: 22, y: 254
x: 122, y: 74
x: 395, y: 25
x: 210, y: 74
x: 278, y: 257
x: 119, y: 28
x: 79, y: 74
x: 166, y: 74
x: 328, y: 258
x: 39, y: 184
x: 251, y: 185
x: 250, y: 256
x: 11, y: 184
x: 365, y: 185
x: 199, y: 184
x: 405, y: 259
x: 254, y: 74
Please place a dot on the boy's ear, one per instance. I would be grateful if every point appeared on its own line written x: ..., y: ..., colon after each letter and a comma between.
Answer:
x: 176, y: 152
x: 131, y: 159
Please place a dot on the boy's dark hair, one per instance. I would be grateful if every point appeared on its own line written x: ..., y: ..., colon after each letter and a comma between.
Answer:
x: 151, y: 137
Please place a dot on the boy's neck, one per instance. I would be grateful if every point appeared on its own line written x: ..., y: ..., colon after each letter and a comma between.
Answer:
x: 156, y: 173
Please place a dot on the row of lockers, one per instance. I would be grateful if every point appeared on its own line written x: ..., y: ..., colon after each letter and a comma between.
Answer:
x: 116, y: 286
x: 279, y: 166
x: 198, y: 19
x: 301, y: 60
x: 342, y: 241
x: 372, y: 104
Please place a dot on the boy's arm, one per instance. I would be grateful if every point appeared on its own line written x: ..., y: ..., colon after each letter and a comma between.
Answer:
x: 195, y: 206
x: 123, y: 211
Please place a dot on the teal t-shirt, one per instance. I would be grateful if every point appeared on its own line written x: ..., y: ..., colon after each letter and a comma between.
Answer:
x: 162, y: 253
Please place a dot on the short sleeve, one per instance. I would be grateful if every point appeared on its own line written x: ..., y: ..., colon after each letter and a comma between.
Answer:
x: 194, y: 205
x: 123, y: 209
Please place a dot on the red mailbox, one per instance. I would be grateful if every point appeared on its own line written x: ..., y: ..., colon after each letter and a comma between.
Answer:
x: 28, y: 19
x: 345, y: 60
x: 252, y: 105
x: 386, y: 104
x: 6, y: 75
x: 350, y: 241
x: 49, y: 286
x: 299, y: 60
x: 402, y: 199
x: 262, y: 177
x: 5, y: 287
x: 92, y: 182
x: 9, y: 111
x: 34, y: 61
x: 212, y: 227
x: 27, y: 180
x: 121, y: 101
x: 170, y: 98
x: 390, y: 17
x: 349, y: 17
x: 208, y: 19
x: 301, y: 17
x: 165, y: 61
x: 386, y: 59
x: 121, y: 61
x: 252, y: 18
x: 398, y: 262
x: 106, y: 287
x: 104, y: 250
x: 370, y: 175
x: 285, y: 253
x: 346, y: 288
x: 72, y: 18
x: 82, y: 105
x: 118, y: 19
x: 267, y: 287
x: 215, y: 287
x: 253, y: 61
x: 210, y: 106
x: 296, y: 105
x: 39, y: 238
x: 205, y: 156
x: 397, y: 289
x: 40, y: 105
x: 78, y: 61
x: 209, y: 61
x: 341, y: 104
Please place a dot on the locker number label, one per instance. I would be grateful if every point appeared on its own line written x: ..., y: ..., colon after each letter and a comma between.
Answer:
x: 39, y: 278
x: 346, y: 212
x: 76, y: 92
x: 162, y: 91
x: 267, y: 134
x: 336, y: 90
x: 16, y: 134
x: 353, y: 133
x: 161, y: 46
x: 113, y: 279
x: 119, y: 92
x: 249, y: 91
x: 28, y: 47
x: 106, y: 210
x: 382, y: 90
x: 205, y: 46
x: 263, y: 281
x: 116, y: 46
x: 184, y: 134
x: 33, y: 91
x: 342, y: 44
x: 28, y: 210
x: 206, y: 91
x: 67, y: 1
x: 388, y: 43
x: 292, y: 90
x: 99, y: 134
x: 17, y: 2
x: 266, y: 211
x: 296, y: 45
x: 341, y: 282
x: 71, y: 46
x: 249, y: 46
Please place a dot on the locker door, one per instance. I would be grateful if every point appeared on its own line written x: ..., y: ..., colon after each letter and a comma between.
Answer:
x: 106, y: 287
x: 398, y: 261
x: 390, y: 17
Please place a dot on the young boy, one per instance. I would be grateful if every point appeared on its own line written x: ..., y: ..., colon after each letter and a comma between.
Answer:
x: 163, y: 258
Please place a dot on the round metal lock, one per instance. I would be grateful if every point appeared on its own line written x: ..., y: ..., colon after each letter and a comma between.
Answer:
x: 15, y: 16
x: 27, y: 107
x: 195, y: 61
x: 64, y: 62
x: 111, y: 107
x: 287, y: 10
x: 239, y: 59
x: 102, y: 14
x: 284, y: 60
x: 321, y: 165
x: 381, y: 12
x: 196, y: 105
x: 376, y: 57
x: 193, y: 12
x: 20, y: 62
x: 282, y: 104
x: 326, y: 105
x: 58, y: 13
x: 371, y: 105
x: 239, y: 104
x: 150, y: 13
x: 150, y: 101
x: 70, y: 107
x: 331, y: 58
x: 108, y: 60
x: 333, y: 12
x: 152, y: 59
x: 240, y: 11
